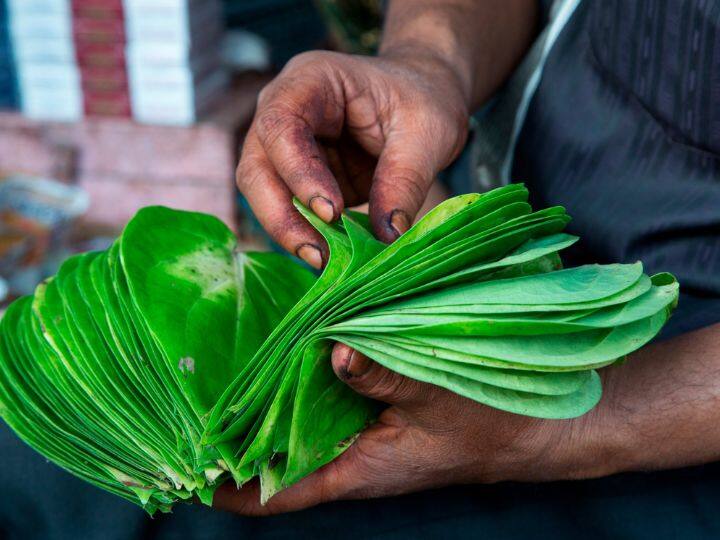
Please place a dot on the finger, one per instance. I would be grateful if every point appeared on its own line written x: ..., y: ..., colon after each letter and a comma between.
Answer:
x: 405, y: 171
x: 375, y: 381
x: 288, y: 138
x: 271, y: 202
x: 246, y: 500
x: 345, y: 478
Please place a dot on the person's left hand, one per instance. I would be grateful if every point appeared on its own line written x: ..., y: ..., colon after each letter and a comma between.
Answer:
x: 429, y: 437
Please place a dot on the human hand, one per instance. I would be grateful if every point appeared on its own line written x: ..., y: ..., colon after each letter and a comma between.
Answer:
x: 428, y: 438
x: 658, y: 411
x: 337, y: 130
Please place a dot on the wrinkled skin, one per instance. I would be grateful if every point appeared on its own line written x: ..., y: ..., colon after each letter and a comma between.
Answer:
x: 658, y: 411
x: 428, y: 437
x: 338, y: 130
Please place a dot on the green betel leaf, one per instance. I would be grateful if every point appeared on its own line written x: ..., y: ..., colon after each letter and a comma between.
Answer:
x: 181, y: 276
x: 172, y: 362
x: 268, y: 286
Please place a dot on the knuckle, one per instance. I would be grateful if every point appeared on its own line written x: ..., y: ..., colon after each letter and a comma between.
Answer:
x: 240, y: 176
x: 272, y: 123
x: 268, y: 121
x: 265, y: 93
x: 369, y: 456
x: 458, y: 132
x: 241, y: 172
x: 461, y: 121
x: 328, y: 483
x: 308, y: 169
x: 247, y: 177
x: 411, y: 184
x: 281, y: 90
x: 445, y: 129
x: 290, y: 230
x: 280, y: 231
x: 303, y: 59
x: 389, y: 383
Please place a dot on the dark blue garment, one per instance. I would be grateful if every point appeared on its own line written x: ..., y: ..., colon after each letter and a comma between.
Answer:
x: 8, y: 83
x: 40, y: 501
x: 628, y: 143
x: 624, y: 131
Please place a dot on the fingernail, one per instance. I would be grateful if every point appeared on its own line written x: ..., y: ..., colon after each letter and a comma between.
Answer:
x: 399, y: 222
x: 323, y: 208
x: 357, y: 365
x: 310, y: 254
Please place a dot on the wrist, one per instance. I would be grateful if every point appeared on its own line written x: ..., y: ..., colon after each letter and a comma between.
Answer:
x: 594, y: 445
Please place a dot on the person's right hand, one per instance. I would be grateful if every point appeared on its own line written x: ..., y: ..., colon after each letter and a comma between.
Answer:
x: 337, y: 130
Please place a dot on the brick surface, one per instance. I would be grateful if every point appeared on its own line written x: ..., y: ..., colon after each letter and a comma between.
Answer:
x: 27, y: 148
x: 114, y: 200
x: 164, y: 153
x: 124, y: 165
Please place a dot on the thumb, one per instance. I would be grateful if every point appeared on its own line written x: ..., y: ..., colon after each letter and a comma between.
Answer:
x: 403, y: 176
x: 373, y: 380
x: 406, y: 169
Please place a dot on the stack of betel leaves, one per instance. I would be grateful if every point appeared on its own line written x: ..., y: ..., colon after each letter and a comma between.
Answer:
x: 171, y: 362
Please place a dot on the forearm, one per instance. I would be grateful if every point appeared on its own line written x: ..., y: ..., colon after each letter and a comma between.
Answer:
x: 660, y: 410
x: 482, y: 41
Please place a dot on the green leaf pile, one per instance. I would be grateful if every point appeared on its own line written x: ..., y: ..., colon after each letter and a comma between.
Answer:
x: 172, y: 362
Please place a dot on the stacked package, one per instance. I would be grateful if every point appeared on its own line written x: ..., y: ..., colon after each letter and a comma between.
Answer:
x: 47, y: 72
x: 99, y: 32
x: 173, y: 58
x: 157, y: 61
x: 8, y: 93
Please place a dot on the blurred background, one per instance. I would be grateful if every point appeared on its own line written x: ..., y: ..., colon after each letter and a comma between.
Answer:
x: 107, y: 106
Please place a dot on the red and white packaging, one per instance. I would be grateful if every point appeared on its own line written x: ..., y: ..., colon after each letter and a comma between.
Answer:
x: 99, y: 35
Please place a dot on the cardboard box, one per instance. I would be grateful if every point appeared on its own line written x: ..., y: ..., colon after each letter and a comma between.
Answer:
x: 104, y: 80
x: 53, y: 106
x: 99, y: 103
x: 34, y: 7
x: 153, y: 77
x: 189, y: 167
x: 101, y: 55
x: 44, y: 50
x: 180, y: 104
x: 155, y: 53
x: 50, y: 91
x: 41, y: 25
x: 99, y: 30
x: 97, y: 9
x: 48, y: 75
x: 171, y: 21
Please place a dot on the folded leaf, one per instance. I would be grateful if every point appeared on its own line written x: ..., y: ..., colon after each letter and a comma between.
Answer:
x: 172, y: 362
